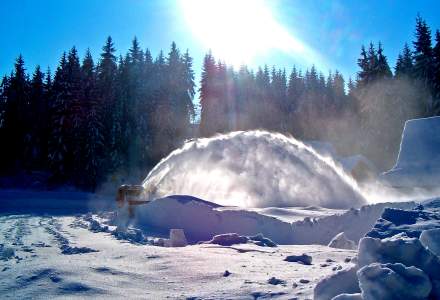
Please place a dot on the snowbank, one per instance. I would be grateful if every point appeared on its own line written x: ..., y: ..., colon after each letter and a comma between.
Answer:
x: 418, y: 163
x: 201, y: 220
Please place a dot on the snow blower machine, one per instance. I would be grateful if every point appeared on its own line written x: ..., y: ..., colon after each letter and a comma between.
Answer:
x: 129, y: 196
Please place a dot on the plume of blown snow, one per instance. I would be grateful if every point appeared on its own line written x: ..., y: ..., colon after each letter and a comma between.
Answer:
x: 253, y: 169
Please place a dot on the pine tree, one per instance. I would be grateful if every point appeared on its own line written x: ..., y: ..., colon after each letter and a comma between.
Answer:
x: 436, y: 75
x: 404, y: 64
x: 383, y: 69
x: 208, y: 110
x: 17, y: 113
x: 92, y: 129
x: 58, y: 150
x: 36, y: 149
x: 423, y: 56
x: 107, y: 71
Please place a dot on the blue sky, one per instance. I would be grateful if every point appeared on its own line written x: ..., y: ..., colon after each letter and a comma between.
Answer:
x: 331, y: 30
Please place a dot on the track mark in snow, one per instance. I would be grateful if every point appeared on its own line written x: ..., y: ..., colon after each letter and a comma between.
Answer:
x: 53, y: 227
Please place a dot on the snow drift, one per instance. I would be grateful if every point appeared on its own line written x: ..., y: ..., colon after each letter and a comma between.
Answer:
x: 253, y: 169
x: 418, y: 163
x: 201, y: 220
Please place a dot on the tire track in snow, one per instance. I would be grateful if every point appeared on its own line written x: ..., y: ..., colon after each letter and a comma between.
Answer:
x: 54, y: 228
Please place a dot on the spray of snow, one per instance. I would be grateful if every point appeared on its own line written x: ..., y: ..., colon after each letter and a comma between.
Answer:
x: 253, y: 169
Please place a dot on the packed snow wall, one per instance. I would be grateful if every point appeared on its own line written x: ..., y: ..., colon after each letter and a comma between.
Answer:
x: 418, y: 162
x: 253, y: 169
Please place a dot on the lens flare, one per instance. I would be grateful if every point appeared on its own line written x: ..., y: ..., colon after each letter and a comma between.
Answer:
x: 239, y: 30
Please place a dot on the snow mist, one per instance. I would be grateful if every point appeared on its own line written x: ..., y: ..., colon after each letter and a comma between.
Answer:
x: 253, y: 169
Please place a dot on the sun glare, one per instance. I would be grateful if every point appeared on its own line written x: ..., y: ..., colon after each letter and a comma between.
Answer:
x: 239, y: 30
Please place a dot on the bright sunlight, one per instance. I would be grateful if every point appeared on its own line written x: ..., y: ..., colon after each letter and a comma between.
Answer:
x: 238, y: 31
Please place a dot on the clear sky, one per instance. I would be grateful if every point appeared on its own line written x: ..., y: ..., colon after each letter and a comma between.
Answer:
x: 277, y: 32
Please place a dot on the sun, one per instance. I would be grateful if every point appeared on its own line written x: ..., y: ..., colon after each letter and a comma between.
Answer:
x: 237, y: 30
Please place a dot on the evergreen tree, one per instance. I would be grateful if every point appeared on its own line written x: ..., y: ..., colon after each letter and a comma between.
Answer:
x: 383, y: 69
x: 17, y: 113
x: 423, y: 57
x: 208, y: 106
x: 404, y: 64
x: 36, y: 149
x: 92, y: 129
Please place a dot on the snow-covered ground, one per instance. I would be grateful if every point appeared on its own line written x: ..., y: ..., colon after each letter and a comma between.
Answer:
x: 53, y: 251
x: 59, y: 257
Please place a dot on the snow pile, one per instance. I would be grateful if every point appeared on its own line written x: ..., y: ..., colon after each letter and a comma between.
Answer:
x: 393, y: 281
x: 395, y: 263
x: 201, y: 220
x: 418, y: 163
x: 342, y: 242
x: 229, y: 169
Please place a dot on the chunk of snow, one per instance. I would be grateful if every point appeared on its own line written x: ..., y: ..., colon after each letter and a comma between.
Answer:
x: 276, y: 281
x: 260, y: 240
x: 418, y: 162
x: 342, y: 242
x: 342, y: 282
x: 303, y: 258
x: 399, y: 249
x: 431, y: 240
x: 227, y: 239
x: 393, y: 281
x: 177, y: 238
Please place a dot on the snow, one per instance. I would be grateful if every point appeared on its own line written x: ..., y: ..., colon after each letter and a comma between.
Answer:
x: 303, y: 258
x: 342, y: 282
x: 229, y: 169
x: 72, y: 254
x: 392, y: 262
x: 412, y: 222
x: 430, y: 239
x: 342, y: 242
x: 419, y: 155
x: 393, y: 281
x: 201, y: 220
x: 131, y: 270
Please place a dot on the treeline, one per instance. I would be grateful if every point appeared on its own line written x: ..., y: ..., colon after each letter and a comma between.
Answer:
x: 119, y: 115
x: 89, y: 121
x: 365, y: 115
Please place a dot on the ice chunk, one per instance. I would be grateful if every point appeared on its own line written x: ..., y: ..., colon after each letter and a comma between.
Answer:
x: 342, y: 242
x: 431, y: 240
x: 393, y: 281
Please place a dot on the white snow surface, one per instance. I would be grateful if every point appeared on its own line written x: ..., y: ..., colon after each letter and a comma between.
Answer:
x: 418, y: 162
x: 254, y: 169
x: 121, y: 270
